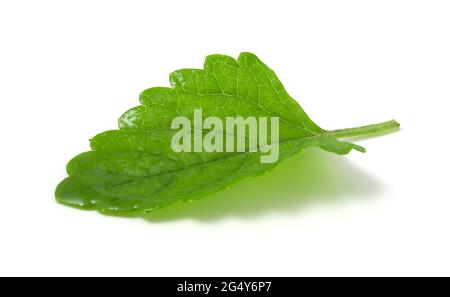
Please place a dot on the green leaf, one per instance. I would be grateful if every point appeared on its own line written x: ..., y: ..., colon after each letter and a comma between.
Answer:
x: 135, y: 170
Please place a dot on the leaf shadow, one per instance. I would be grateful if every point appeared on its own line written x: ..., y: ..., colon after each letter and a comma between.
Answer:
x: 309, y: 178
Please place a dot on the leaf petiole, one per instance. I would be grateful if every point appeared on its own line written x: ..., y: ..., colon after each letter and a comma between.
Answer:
x: 366, y: 131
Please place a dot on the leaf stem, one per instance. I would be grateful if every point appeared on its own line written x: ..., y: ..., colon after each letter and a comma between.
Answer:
x: 366, y: 131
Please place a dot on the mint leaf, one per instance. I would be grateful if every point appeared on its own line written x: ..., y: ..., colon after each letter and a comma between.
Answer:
x: 135, y: 169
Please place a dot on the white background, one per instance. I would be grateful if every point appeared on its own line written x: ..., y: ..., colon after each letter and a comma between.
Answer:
x: 69, y: 69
